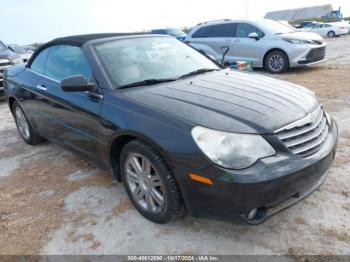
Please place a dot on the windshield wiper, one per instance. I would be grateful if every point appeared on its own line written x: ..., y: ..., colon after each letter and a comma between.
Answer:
x: 147, y: 82
x: 199, y: 71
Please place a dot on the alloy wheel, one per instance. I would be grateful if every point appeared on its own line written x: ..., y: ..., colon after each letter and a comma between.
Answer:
x: 22, y: 123
x: 144, y: 183
x: 276, y: 63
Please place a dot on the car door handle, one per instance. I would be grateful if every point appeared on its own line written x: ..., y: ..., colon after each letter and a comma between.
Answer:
x: 41, y: 87
x: 237, y: 41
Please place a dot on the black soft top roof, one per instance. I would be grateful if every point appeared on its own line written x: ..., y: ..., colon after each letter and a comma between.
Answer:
x: 78, y: 40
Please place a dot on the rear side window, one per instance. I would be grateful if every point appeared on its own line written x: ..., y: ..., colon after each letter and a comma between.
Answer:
x: 38, y: 65
x: 223, y: 30
x: 245, y: 29
x: 220, y: 30
x: 202, y: 32
x: 64, y: 61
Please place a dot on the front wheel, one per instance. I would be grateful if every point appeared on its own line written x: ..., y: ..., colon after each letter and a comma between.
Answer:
x: 24, y: 127
x: 149, y: 183
x: 276, y: 62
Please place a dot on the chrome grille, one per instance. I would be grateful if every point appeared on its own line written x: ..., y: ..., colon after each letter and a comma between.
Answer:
x: 307, y: 135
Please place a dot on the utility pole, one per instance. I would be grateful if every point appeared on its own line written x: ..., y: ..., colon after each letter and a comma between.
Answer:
x: 246, y: 10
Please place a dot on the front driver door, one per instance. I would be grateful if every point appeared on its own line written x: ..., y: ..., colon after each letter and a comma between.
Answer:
x: 248, y: 49
x: 71, y: 118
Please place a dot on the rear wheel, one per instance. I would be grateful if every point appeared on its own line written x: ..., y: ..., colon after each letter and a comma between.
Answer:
x: 24, y: 127
x: 331, y: 34
x: 276, y: 62
x: 149, y: 183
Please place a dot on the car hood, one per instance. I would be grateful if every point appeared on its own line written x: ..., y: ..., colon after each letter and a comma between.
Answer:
x: 303, y: 36
x: 229, y: 101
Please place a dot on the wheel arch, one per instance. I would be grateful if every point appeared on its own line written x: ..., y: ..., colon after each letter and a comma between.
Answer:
x: 118, y: 142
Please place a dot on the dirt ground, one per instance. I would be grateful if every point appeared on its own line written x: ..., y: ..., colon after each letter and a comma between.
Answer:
x: 53, y: 202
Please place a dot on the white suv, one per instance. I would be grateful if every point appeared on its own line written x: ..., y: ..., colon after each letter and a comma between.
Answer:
x: 266, y: 43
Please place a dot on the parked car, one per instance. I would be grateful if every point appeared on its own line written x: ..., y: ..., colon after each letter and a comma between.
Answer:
x: 179, y: 34
x: 23, y: 52
x: 176, y: 128
x: 344, y: 25
x: 265, y: 43
x: 7, y: 59
x: 324, y: 30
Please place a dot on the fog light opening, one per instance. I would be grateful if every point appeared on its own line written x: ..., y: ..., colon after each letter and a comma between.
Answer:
x: 252, y: 214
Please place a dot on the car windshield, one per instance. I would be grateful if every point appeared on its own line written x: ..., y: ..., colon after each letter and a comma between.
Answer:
x: 2, y: 46
x: 134, y: 60
x: 277, y: 28
x: 311, y: 25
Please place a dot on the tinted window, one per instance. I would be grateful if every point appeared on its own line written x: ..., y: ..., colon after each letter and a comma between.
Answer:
x: 38, y: 65
x: 158, y: 31
x: 245, y: 29
x: 64, y: 61
x: 223, y: 30
x: 202, y: 32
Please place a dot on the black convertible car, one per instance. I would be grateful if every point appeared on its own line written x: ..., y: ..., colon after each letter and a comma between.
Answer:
x: 180, y: 131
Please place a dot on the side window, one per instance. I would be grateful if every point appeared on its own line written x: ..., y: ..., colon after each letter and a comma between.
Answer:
x: 158, y: 31
x: 202, y: 32
x: 64, y: 61
x: 38, y: 65
x: 245, y: 29
x: 223, y: 30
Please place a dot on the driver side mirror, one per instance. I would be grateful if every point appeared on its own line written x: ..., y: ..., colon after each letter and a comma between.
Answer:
x: 254, y: 35
x: 77, y: 83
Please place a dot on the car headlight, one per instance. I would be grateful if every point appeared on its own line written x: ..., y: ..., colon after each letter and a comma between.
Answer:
x: 15, y: 61
x: 231, y: 150
x: 298, y: 41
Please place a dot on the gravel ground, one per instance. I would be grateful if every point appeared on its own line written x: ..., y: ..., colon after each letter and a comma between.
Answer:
x: 53, y: 202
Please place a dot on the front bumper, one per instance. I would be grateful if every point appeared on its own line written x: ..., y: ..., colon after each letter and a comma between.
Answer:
x: 2, y: 71
x: 271, y: 185
x: 2, y: 91
x: 307, y: 55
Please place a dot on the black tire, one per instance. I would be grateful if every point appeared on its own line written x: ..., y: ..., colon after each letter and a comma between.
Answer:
x: 32, y: 138
x: 331, y: 34
x: 276, y: 62
x: 173, y: 205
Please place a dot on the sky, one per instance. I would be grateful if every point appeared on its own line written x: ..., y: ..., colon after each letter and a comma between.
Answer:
x: 29, y: 21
